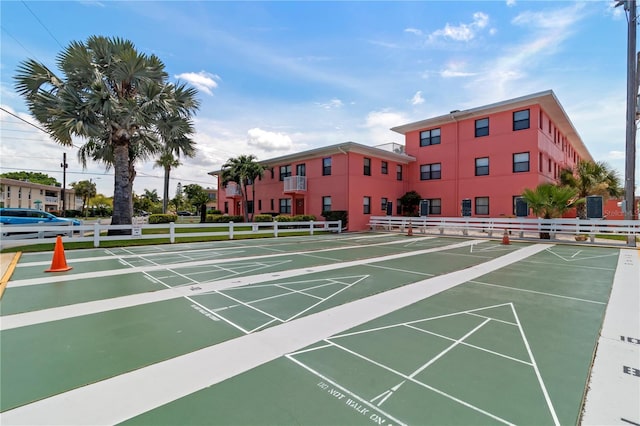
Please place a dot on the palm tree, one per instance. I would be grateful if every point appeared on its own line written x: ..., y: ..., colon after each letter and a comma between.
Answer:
x: 112, y: 96
x: 174, y: 131
x: 549, y: 201
x: 85, y: 189
x: 243, y: 170
x: 591, y: 178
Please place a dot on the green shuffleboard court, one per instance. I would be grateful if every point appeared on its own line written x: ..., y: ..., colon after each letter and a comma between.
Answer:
x: 343, y: 329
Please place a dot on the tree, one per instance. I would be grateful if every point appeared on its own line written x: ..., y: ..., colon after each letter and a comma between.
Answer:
x: 178, y: 200
x: 549, y: 201
x: 197, y: 196
x: 112, y: 96
x: 243, y: 171
x: 84, y: 189
x: 590, y: 178
x: 410, y: 202
x: 35, y: 177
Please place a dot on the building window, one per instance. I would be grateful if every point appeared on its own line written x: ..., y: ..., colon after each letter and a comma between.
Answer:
x: 326, y: 204
x: 226, y: 207
x: 540, y: 162
x: 398, y: 172
x: 482, y: 127
x: 260, y: 205
x: 271, y: 204
x: 430, y: 137
x: 326, y: 166
x: 271, y: 170
x: 285, y: 205
x: 250, y: 206
x: 366, y: 202
x: 285, y: 171
x: 383, y: 203
x: 367, y: 167
x: 384, y: 168
x: 482, y: 205
x: 521, y: 162
x: 521, y: 120
x: 398, y: 207
x: 435, y: 206
x: 430, y: 171
x: 482, y: 166
x: 301, y: 170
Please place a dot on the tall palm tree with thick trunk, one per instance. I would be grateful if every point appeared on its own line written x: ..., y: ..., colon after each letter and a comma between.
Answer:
x: 243, y: 171
x: 112, y: 96
x: 590, y: 178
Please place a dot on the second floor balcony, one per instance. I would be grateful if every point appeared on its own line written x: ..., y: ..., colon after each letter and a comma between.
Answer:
x: 295, y: 184
x: 232, y: 190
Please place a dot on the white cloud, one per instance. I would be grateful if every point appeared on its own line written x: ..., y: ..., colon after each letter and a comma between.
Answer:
x: 455, y: 70
x: 413, y: 31
x: 378, y: 124
x: 269, y: 141
x: 333, y: 103
x: 511, y: 3
x: 202, y: 80
x: 616, y: 155
x: 417, y: 98
x: 462, y: 32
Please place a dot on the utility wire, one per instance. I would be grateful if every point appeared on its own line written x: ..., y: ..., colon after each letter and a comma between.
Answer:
x: 42, y: 23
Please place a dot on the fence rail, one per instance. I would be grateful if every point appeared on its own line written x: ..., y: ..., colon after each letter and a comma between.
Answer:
x: 13, y: 235
x: 516, y: 227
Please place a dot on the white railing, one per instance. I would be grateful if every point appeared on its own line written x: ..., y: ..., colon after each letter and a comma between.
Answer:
x: 233, y: 190
x: 295, y: 183
x: 13, y: 235
x: 516, y: 227
x: 51, y: 200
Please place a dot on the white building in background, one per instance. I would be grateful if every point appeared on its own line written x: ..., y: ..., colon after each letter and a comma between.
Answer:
x: 24, y: 194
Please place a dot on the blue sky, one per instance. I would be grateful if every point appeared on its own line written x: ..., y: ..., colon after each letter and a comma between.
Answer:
x: 281, y: 77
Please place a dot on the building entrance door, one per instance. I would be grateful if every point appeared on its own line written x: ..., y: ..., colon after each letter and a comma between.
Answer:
x: 299, y: 206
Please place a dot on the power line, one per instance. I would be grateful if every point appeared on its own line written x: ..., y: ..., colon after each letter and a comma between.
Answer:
x: 42, y: 23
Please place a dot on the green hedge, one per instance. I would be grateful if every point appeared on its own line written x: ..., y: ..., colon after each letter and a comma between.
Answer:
x: 331, y: 215
x: 263, y: 218
x: 220, y: 218
x: 296, y: 218
x: 162, y: 218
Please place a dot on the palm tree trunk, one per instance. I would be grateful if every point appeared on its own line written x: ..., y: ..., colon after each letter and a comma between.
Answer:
x: 165, y: 193
x: 122, y: 191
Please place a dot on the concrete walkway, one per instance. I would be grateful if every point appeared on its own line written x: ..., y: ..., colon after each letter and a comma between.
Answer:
x: 616, y: 370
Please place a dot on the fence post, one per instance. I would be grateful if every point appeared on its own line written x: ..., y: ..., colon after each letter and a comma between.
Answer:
x: 340, y: 226
x: 231, y: 230
x: 310, y: 227
x: 172, y: 232
x: 96, y: 234
x: 275, y: 228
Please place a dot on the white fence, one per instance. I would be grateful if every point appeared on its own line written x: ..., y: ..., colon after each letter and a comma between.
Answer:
x: 13, y: 235
x: 515, y: 227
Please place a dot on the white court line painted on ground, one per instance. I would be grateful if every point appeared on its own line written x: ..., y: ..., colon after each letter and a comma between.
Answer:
x: 87, y: 308
x: 134, y: 393
x: 116, y: 272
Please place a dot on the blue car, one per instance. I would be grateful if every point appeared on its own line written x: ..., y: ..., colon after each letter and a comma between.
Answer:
x: 29, y: 217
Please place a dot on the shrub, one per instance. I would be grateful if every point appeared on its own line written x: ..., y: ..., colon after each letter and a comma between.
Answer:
x: 303, y: 218
x: 213, y: 211
x: 263, y: 218
x: 219, y: 218
x: 162, y: 218
x: 283, y: 218
x: 331, y: 215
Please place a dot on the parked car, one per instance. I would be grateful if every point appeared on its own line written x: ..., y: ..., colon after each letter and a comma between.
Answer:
x: 32, y: 217
x: 184, y: 213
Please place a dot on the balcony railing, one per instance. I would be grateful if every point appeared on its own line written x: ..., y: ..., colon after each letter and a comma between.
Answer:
x: 232, y: 190
x: 295, y: 183
x: 51, y: 200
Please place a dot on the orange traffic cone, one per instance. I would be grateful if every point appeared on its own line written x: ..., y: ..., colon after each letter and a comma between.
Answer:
x: 58, y: 263
x: 505, y: 238
x: 410, y: 231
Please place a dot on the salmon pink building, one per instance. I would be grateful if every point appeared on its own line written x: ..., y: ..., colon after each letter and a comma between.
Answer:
x: 479, y: 160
